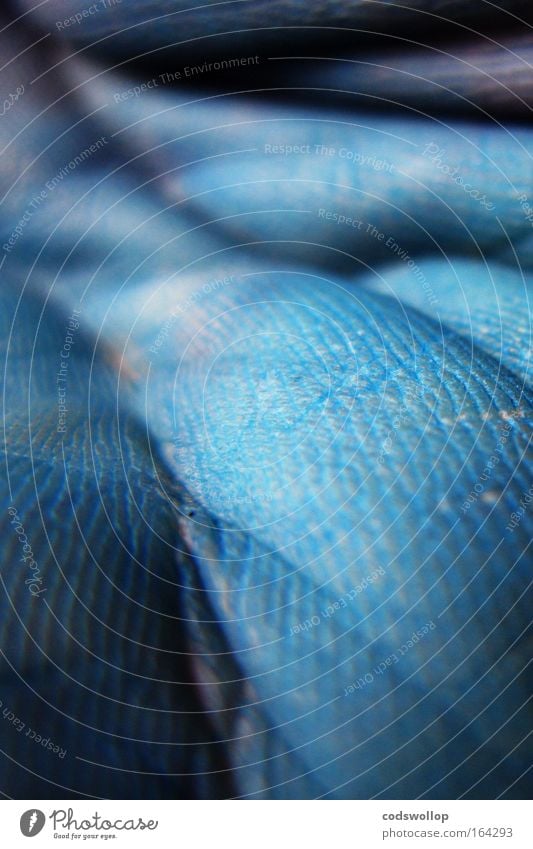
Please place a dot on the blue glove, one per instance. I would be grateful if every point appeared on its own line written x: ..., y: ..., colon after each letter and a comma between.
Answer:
x: 267, y: 415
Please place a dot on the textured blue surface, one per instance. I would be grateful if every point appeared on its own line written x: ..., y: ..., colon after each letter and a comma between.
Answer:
x: 274, y: 526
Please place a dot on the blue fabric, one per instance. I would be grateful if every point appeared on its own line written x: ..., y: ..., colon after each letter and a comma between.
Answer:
x: 267, y: 408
